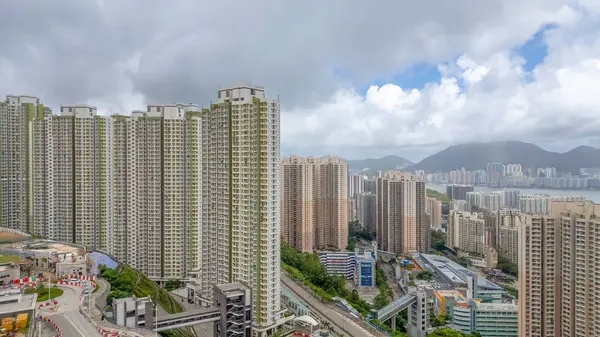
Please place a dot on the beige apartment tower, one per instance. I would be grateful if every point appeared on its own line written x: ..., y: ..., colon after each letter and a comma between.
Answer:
x: 559, y: 272
x: 315, y: 202
x: 240, y: 236
x: 299, y: 202
x: 402, y: 224
x: 434, y: 208
x: 466, y: 232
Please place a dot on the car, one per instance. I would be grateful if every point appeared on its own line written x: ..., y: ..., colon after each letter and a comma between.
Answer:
x: 74, y: 280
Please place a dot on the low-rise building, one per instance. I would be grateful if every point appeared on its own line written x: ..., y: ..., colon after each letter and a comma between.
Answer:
x: 489, y: 319
x: 364, y: 271
x: 9, y: 272
x: 17, y: 306
x: 51, y: 256
x: 131, y: 312
x: 445, y: 301
x: 358, y: 266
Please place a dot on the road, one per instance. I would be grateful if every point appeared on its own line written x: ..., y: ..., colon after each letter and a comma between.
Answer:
x: 68, y: 317
x: 337, y: 320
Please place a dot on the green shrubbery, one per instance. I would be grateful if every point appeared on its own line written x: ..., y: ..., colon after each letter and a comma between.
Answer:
x: 306, y: 268
x: 124, y: 282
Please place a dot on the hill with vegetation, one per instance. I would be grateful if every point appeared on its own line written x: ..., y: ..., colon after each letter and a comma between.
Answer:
x: 474, y: 156
x: 370, y: 166
x: 126, y: 281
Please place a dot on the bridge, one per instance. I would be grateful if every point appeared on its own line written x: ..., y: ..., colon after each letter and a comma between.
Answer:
x: 392, y: 310
x: 183, y: 319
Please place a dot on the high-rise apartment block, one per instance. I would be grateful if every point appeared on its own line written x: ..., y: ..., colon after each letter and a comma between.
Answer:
x: 315, y: 202
x: 240, y: 212
x: 401, y: 219
x: 559, y: 272
x: 466, y: 232
x: 299, y: 202
x: 458, y: 192
x: 356, y: 184
x: 175, y: 191
x: 17, y: 117
x: 366, y: 206
x: 434, y: 209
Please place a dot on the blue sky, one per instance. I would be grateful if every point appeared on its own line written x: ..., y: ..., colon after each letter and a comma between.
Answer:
x: 533, y: 51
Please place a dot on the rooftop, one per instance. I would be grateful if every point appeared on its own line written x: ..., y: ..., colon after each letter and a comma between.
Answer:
x: 497, y: 307
x: 236, y: 288
x: 456, y: 272
x: 43, y: 247
x: 14, y: 300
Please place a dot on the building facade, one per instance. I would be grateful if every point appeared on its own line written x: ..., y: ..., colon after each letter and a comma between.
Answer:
x: 356, y: 184
x: 18, y: 115
x: 434, y: 209
x: 558, y: 272
x: 466, y: 232
x: 299, y: 202
x: 175, y: 191
x: 402, y: 225
x: 366, y: 206
x: 240, y: 198
x: 315, y: 206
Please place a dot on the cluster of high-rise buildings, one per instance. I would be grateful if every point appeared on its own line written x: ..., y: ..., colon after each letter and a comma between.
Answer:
x: 176, y: 191
x: 320, y: 198
x: 513, y: 175
x: 554, y: 242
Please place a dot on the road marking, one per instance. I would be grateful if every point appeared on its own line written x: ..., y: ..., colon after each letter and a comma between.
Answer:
x: 75, y: 326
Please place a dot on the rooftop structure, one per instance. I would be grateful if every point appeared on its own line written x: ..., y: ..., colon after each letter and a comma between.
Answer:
x: 13, y: 302
x: 452, y: 272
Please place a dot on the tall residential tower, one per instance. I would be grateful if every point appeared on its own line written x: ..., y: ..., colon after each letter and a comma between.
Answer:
x: 402, y: 224
x: 240, y: 198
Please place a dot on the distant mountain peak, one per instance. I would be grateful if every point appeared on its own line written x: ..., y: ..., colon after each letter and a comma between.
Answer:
x: 476, y: 155
x: 370, y: 166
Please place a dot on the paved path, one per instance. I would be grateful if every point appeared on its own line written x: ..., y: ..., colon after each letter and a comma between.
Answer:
x: 339, y: 322
x: 68, y: 317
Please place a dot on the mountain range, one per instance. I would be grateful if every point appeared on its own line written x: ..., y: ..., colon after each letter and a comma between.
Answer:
x: 371, y: 166
x: 473, y: 156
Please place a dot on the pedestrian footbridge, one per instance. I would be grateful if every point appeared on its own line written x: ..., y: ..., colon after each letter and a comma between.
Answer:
x: 393, y: 309
x: 180, y: 320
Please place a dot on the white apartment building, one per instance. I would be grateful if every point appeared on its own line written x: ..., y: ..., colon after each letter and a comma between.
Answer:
x: 356, y: 184
x: 17, y: 115
x: 175, y: 191
x: 127, y: 185
x: 240, y: 236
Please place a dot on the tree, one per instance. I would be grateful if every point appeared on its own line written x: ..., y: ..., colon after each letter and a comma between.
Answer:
x: 438, y: 240
x: 381, y: 300
x: 437, y: 320
x: 463, y: 261
x: 426, y: 275
x: 508, y: 267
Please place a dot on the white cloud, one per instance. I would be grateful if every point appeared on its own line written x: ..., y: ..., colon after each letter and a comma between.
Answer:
x: 477, y: 99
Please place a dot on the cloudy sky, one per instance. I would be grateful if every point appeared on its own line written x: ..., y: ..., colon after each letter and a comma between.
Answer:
x: 355, y: 78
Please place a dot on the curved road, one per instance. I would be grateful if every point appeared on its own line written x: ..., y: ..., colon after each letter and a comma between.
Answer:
x: 338, y: 321
x: 68, y: 317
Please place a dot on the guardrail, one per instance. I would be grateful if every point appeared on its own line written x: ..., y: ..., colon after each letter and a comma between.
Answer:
x: 56, y: 327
